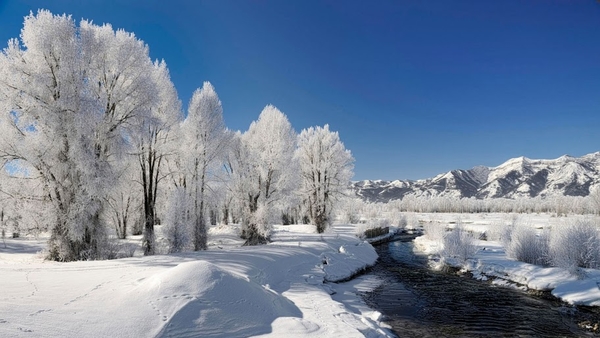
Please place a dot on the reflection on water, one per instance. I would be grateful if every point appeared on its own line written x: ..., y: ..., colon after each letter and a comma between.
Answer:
x: 420, y: 302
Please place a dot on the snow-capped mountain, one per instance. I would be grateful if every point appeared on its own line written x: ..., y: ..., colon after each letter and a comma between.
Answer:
x: 515, y: 178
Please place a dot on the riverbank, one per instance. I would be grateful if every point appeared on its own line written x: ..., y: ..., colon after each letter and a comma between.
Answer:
x: 491, y: 262
x: 278, y: 289
x: 418, y: 301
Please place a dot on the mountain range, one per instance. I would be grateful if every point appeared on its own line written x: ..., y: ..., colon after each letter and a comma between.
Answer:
x: 519, y: 177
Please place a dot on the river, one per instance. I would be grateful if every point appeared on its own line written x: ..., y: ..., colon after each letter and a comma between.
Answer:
x: 420, y: 302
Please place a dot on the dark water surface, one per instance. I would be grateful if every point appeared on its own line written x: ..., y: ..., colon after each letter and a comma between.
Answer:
x: 419, y: 302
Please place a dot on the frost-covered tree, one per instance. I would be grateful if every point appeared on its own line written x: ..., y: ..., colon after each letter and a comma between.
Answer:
x: 205, y: 141
x: 154, y: 143
x: 126, y: 91
x: 594, y: 199
x: 48, y: 121
x: 68, y: 98
x: 325, y: 172
x: 264, y: 172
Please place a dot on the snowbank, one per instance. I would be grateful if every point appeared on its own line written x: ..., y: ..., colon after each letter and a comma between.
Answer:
x: 491, y: 261
x: 270, y: 290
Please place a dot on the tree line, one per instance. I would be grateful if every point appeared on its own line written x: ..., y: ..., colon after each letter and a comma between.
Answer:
x: 94, y: 140
x: 358, y: 210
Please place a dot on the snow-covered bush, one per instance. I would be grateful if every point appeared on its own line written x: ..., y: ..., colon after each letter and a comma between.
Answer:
x: 495, y: 231
x: 349, y: 216
x: 459, y: 244
x: 398, y: 219
x: 261, y: 225
x: 349, y: 211
x: 371, y: 224
x: 373, y: 210
x: 113, y: 248
x: 523, y: 243
x: 434, y: 231
x: 574, y: 246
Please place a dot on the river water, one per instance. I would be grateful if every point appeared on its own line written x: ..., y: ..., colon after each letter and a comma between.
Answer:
x: 420, y: 302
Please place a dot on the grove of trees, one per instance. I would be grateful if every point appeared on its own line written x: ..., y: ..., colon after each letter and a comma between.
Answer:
x: 94, y: 144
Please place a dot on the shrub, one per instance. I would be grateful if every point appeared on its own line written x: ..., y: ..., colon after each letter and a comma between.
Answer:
x: 524, y: 244
x: 369, y: 229
x: 375, y: 232
x: 434, y: 231
x: 459, y: 244
x: 403, y: 221
x: 495, y: 231
x: 576, y: 245
x: 113, y: 248
x: 350, y: 209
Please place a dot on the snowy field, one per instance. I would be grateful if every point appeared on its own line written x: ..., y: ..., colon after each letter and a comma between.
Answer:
x: 491, y: 261
x: 228, y: 291
x: 284, y: 288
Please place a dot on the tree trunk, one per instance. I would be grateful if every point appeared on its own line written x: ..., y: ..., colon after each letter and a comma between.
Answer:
x: 225, y: 219
x: 150, y: 166
x: 148, y: 240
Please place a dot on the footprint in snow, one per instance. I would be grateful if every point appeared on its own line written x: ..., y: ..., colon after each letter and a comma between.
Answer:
x: 39, y: 311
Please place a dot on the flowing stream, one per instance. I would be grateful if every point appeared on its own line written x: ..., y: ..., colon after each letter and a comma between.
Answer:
x: 420, y: 302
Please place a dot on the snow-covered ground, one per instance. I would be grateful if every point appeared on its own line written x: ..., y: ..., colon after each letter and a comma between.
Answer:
x: 491, y: 259
x: 228, y: 291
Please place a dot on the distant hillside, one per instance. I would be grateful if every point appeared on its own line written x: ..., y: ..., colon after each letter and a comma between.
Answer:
x: 515, y: 178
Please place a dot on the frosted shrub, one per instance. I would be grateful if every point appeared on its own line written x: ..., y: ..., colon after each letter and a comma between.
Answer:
x: 459, y: 244
x: 505, y: 234
x: 350, y: 209
x: 574, y: 246
x: 350, y: 216
x: 260, y: 226
x: 434, y: 231
x: 372, y: 210
x: 371, y: 224
x: 411, y: 221
x: 403, y: 221
x: 495, y: 232
x: 524, y: 244
x: 113, y: 248
x: 399, y: 219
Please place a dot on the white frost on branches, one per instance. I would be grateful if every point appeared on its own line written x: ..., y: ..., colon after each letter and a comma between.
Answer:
x: 205, y: 140
x: 91, y: 129
x: 325, y: 172
x: 69, y: 98
x: 264, y: 171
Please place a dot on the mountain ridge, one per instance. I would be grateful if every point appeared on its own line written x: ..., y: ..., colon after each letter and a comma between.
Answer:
x: 519, y: 177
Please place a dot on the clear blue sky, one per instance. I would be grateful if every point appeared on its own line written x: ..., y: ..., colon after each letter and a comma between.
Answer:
x: 415, y: 88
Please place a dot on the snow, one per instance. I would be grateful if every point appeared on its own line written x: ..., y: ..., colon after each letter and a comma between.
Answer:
x: 491, y: 259
x: 228, y: 291
x: 562, y: 284
x: 400, y: 184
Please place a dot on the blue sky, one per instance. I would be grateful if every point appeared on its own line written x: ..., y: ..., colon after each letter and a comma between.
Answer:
x: 415, y: 88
